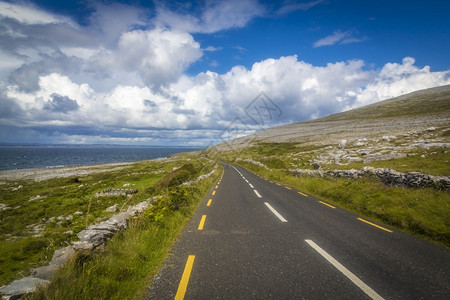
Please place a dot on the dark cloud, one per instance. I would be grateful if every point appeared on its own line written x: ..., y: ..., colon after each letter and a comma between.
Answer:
x: 8, y: 108
x: 151, y: 105
x: 26, y: 78
x: 61, y: 104
x: 183, y: 111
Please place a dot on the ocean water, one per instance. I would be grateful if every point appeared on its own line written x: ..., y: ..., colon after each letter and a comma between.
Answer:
x: 42, y: 156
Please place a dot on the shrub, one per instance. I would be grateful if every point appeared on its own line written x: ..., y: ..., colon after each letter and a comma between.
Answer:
x: 178, y: 176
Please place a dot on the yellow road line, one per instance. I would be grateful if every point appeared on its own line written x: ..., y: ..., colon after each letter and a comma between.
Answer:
x: 288, y: 188
x: 326, y: 204
x: 182, y: 287
x: 217, y: 186
x: 271, y: 181
x: 213, y: 193
x: 202, y: 223
x: 209, y: 202
x: 375, y: 225
x: 303, y: 194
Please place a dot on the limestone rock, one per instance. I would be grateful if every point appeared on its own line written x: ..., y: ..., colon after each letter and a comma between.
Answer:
x: 61, y: 256
x: 21, y: 287
x: 112, y: 208
x: 342, y: 144
x: 45, y: 272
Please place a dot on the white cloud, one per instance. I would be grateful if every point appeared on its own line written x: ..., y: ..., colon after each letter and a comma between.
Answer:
x: 396, y: 79
x: 212, y: 49
x: 27, y: 14
x: 160, y: 55
x: 290, y: 6
x: 215, y: 16
x: 209, y: 102
x: 338, y: 37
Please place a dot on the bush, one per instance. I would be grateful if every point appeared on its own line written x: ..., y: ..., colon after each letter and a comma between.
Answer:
x: 178, y: 176
x: 174, y: 199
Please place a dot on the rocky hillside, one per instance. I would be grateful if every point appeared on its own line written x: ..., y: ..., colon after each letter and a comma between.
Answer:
x: 408, y: 133
x: 412, y: 115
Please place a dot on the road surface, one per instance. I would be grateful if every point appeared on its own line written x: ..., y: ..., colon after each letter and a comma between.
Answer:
x: 255, y: 239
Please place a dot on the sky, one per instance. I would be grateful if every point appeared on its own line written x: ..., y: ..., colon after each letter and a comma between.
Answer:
x: 195, y: 73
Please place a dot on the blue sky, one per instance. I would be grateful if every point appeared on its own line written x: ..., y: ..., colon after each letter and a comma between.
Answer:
x: 185, y: 72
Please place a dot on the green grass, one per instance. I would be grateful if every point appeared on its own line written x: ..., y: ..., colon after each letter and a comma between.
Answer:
x: 61, y: 197
x: 423, y: 212
x: 126, y: 266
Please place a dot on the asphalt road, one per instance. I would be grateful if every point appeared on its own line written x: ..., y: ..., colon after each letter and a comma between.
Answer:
x: 254, y: 239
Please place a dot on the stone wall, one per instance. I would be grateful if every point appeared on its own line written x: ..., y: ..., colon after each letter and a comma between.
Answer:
x: 387, y: 176
x: 253, y: 162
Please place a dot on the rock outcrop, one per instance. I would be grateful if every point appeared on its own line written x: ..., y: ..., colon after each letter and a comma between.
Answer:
x: 116, y: 192
x: 21, y: 287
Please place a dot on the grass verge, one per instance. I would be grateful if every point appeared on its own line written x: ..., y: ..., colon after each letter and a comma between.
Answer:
x: 125, y: 267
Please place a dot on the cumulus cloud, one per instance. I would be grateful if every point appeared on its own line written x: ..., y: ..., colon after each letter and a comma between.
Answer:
x: 159, y: 55
x: 209, y: 101
x: 396, y: 79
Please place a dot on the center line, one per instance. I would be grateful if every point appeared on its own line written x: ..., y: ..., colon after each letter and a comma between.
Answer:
x: 202, y: 223
x: 251, y: 185
x: 275, y: 212
x: 182, y: 287
x: 358, y: 282
x: 257, y: 194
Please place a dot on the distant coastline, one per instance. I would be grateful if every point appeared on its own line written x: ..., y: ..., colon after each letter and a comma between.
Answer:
x: 28, y: 156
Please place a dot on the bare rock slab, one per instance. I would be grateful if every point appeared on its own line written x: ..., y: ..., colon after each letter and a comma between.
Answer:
x: 61, y: 256
x: 45, y: 272
x: 21, y: 287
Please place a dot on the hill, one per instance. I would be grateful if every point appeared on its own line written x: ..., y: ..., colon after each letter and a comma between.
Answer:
x: 416, y: 111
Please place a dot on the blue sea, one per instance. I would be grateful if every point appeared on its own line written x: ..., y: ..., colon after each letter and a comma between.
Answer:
x: 42, y: 156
